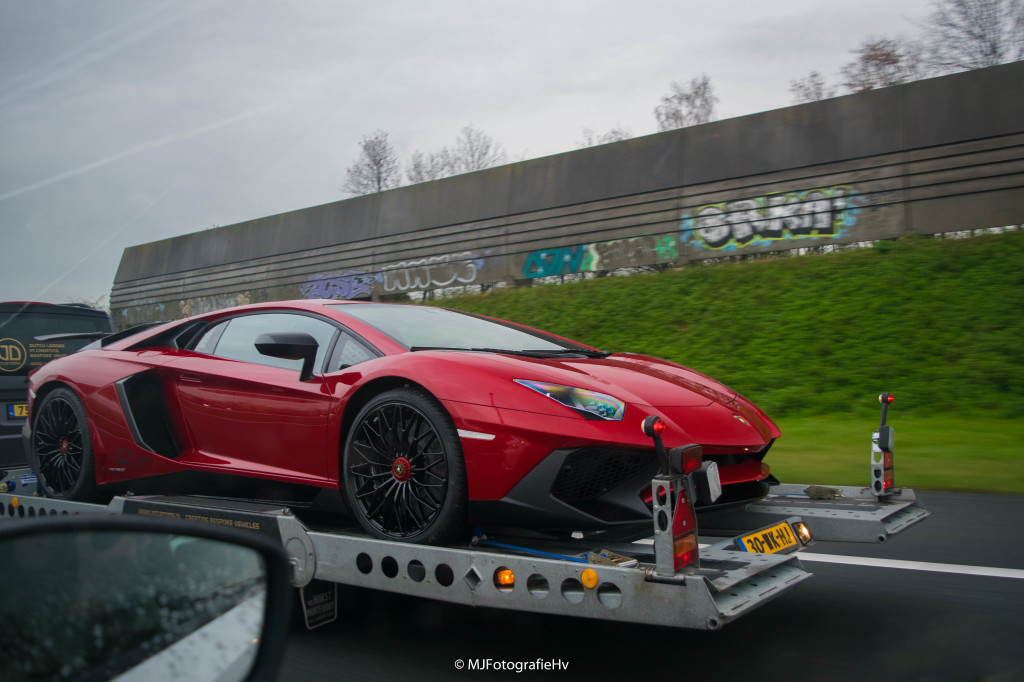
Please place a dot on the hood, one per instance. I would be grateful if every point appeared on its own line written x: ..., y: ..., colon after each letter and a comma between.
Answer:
x: 698, y: 408
x: 635, y: 379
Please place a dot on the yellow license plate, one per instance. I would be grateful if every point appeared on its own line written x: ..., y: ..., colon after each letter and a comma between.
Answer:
x: 17, y: 410
x: 778, y: 538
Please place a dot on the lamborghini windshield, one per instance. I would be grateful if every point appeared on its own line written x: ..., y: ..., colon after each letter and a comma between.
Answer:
x: 425, y: 327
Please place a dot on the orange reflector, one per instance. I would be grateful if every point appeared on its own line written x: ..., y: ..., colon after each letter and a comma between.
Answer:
x: 14, y: 503
x: 887, y: 460
x: 506, y: 577
x: 684, y: 532
x: 685, y: 550
x: 589, y: 578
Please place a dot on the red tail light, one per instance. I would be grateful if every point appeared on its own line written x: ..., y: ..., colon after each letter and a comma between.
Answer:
x: 692, y: 460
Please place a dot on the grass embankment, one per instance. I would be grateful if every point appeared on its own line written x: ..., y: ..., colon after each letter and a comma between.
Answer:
x: 813, y: 340
x: 947, y: 452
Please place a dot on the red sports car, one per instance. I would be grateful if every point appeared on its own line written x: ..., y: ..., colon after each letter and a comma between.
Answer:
x: 427, y: 420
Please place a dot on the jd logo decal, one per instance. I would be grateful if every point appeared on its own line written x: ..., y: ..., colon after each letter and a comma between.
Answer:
x: 12, y: 355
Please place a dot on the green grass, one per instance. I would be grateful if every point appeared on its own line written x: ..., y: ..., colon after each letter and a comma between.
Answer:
x: 814, y: 339
x: 939, y: 323
x: 946, y: 452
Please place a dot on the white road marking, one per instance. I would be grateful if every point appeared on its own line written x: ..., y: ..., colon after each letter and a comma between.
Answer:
x: 960, y: 569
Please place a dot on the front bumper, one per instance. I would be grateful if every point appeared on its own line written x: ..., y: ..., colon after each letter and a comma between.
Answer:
x: 592, y: 488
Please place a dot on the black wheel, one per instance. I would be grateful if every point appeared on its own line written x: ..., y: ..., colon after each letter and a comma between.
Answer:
x: 403, y: 472
x: 62, y: 448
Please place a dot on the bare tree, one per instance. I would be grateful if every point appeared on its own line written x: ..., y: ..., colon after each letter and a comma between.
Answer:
x: 811, y: 88
x: 424, y: 167
x: 882, y: 62
x: 376, y: 169
x: 591, y: 138
x: 687, y: 105
x: 97, y: 302
x: 973, y: 34
x: 476, y: 150
x: 473, y: 150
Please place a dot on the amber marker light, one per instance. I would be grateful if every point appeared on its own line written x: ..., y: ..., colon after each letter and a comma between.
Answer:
x: 589, y: 578
x: 505, y: 578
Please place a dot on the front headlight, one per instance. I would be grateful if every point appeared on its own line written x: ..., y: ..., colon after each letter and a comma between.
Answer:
x: 589, y: 403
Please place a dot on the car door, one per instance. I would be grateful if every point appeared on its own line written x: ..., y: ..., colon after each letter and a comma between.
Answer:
x: 249, y: 412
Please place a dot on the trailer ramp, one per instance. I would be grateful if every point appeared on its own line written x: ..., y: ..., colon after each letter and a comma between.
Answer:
x: 834, y: 513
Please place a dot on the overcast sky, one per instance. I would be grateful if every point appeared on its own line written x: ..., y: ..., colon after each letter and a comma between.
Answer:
x: 123, y: 121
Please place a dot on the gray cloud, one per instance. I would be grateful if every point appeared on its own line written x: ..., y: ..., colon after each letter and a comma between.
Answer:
x: 125, y: 122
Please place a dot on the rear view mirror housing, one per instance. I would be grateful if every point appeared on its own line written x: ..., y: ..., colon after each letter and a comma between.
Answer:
x: 100, y: 597
x: 290, y: 346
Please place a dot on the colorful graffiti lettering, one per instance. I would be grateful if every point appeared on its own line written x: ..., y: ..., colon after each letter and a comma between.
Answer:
x: 624, y: 253
x: 548, y: 262
x: 811, y: 214
x: 208, y: 304
x: 434, y: 271
x: 666, y: 248
x: 348, y: 285
x: 617, y: 253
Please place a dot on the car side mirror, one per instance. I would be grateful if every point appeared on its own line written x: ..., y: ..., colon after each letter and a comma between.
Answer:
x: 290, y: 346
x: 100, y: 597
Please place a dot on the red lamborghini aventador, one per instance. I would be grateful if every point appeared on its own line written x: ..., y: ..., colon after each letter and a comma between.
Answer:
x: 427, y: 419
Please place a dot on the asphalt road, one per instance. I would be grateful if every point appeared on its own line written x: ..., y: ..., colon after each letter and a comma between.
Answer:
x: 846, y: 623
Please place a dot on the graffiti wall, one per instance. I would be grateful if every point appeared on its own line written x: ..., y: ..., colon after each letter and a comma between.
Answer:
x: 751, y: 223
x: 818, y: 174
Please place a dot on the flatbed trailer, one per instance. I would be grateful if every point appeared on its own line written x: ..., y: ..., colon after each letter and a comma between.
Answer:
x: 555, y: 577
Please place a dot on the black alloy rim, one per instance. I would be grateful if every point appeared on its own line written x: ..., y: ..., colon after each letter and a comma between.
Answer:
x: 58, y: 446
x: 398, y: 470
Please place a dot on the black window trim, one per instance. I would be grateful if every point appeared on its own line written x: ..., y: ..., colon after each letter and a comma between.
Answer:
x: 374, y: 353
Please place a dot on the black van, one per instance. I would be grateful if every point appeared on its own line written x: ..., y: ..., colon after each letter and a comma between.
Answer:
x: 20, y: 351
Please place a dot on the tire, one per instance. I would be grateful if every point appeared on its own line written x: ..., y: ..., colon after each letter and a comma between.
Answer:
x: 403, y: 472
x: 62, y: 448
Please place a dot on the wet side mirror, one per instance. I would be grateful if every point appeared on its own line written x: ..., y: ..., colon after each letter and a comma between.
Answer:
x: 119, y: 597
x: 290, y: 346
